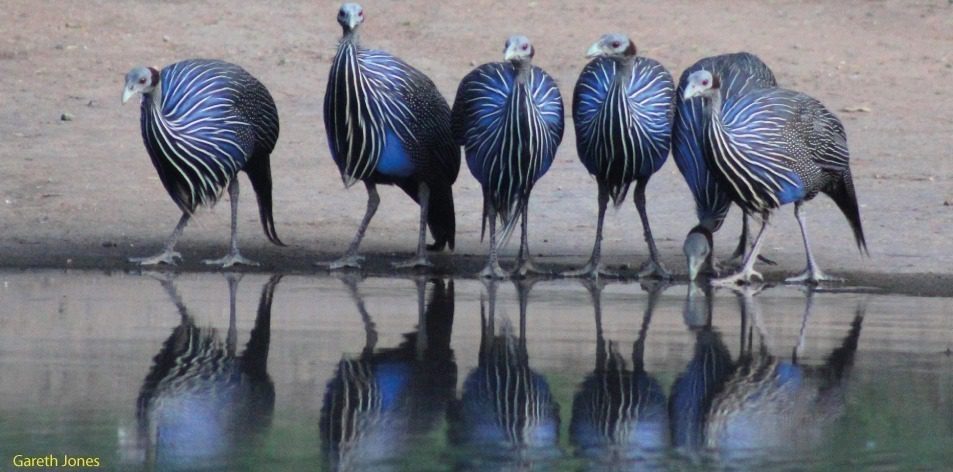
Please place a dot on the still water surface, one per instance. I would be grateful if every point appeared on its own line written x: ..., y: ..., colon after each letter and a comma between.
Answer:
x: 212, y: 372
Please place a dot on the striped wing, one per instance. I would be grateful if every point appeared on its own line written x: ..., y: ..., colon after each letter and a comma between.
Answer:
x: 199, y: 135
x: 740, y: 72
x: 510, y: 131
x: 760, y: 148
x: 623, y: 129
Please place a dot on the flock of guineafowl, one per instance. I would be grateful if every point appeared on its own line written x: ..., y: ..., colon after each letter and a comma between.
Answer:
x: 735, y: 136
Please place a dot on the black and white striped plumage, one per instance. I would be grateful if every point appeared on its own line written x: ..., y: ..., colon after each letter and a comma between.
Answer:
x: 202, y: 122
x: 622, y: 110
x: 773, y: 146
x: 387, y: 123
x: 508, y: 116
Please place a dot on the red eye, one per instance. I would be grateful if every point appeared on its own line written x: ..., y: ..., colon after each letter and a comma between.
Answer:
x: 360, y: 13
x: 525, y: 47
x: 615, y: 44
x: 142, y: 80
x: 705, y: 82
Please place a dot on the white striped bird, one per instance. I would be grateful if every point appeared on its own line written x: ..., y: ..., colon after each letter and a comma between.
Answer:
x: 509, y: 118
x: 771, y: 147
x: 387, y: 123
x: 622, y: 111
x: 202, y: 122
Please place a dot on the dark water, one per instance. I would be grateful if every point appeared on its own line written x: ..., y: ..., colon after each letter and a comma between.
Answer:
x: 305, y: 373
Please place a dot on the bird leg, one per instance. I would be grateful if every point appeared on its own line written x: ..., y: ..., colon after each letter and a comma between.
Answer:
x: 741, y: 249
x: 420, y: 260
x: 233, y: 257
x: 743, y: 276
x: 492, y: 269
x: 652, y: 268
x: 594, y: 268
x: 812, y: 274
x: 524, y: 262
x: 168, y: 255
x: 351, y: 258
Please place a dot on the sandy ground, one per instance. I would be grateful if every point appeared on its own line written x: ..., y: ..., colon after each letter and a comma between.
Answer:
x: 82, y: 193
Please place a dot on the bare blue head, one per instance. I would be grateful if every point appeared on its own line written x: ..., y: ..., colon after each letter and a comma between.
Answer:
x: 518, y: 49
x: 350, y: 16
x: 615, y: 45
x: 140, y: 79
x: 701, y: 83
x: 697, y: 249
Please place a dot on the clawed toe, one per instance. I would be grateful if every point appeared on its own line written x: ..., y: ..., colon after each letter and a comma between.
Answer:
x: 654, y: 270
x: 347, y: 262
x: 493, y: 271
x: 415, y: 263
x: 528, y: 267
x: 230, y: 260
x: 167, y: 257
x: 812, y: 277
x: 591, y: 271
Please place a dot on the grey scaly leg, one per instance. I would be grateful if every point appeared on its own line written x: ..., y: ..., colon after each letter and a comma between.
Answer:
x: 652, y: 268
x: 524, y: 262
x: 420, y: 260
x: 231, y: 340
x: 812, y: 274
x: 351, y: 257
x: 233, y: 257
x: 168, y: 255
x: 741, y: 249
x: 747, y: 271
x: 594, y: 268
x: 492, y: 269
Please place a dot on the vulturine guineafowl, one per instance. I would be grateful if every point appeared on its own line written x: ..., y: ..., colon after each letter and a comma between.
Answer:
x: 622, y: 110
x: 741, y: 72
x: 202, y: 122
x: 388, y: 124
x: 509, y: 118
x: 770, y: 147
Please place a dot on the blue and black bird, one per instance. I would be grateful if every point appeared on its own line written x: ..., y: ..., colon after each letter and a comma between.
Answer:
x: 203, y: 121
x: 202, y: 403
x: 771, y: 147
x: 618, y: 414
x: 740, y: 72
x: 622, y: 110
x: 509, y: 118
x: 388, y: 124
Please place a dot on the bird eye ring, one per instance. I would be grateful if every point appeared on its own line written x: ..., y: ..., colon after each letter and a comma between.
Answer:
x: 142, y: 80
x: 705, y: 82
x: 525, y: 47
x: 360, y: 13
x: 615, y: 44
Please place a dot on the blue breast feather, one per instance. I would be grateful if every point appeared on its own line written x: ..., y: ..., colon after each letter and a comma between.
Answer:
x: 649, y: 93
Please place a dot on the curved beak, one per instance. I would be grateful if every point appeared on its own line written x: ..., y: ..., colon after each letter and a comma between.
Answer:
x: 691, y: 91
x: 594, y: 51
x: 127, y: 93
x: 509, y: 53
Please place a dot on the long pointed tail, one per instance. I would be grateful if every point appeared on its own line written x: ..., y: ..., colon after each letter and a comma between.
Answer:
x: 259, y: 172
x: 441, y: 217
x: 846, y: 199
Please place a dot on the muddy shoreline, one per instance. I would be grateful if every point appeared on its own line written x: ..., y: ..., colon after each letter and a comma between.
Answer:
x: 466, y: 266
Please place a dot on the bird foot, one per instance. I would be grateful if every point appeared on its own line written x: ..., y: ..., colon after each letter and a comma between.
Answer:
x: 654, y: 270
x: 811, y: 277
x: 591, y: 271
x: 352, y: 261
x: 493, y: 271
x: 739, y: 258
x: 229, y: 260
x: 165, y: 257
x: 739, y: 278
x: 417, y: 262
x: 526, y: 267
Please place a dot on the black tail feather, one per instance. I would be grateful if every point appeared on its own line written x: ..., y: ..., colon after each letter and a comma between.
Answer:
x: 846, y: 199
x: 441, y: 217
x: 259, y: 172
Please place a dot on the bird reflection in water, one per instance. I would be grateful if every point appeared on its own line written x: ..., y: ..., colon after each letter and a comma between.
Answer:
x: 619, y: 416
x: 506, y: 416
x: 202, y: 403
x: 762, y: 403
x: 380, y: 404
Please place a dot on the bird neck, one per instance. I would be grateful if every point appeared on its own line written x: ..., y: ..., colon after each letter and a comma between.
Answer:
x: 714, y: 102
x: 351, y: 37
x: 153, y: 99
x: 523, y: 67
x: 624, y: 66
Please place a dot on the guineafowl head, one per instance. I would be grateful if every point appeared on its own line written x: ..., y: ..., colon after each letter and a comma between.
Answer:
x: 140, y: 80
x: 701, y: 83
x: 350, y: 16
x: 697, y: 248
x: 518, y: 49
x: 616, y: 45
